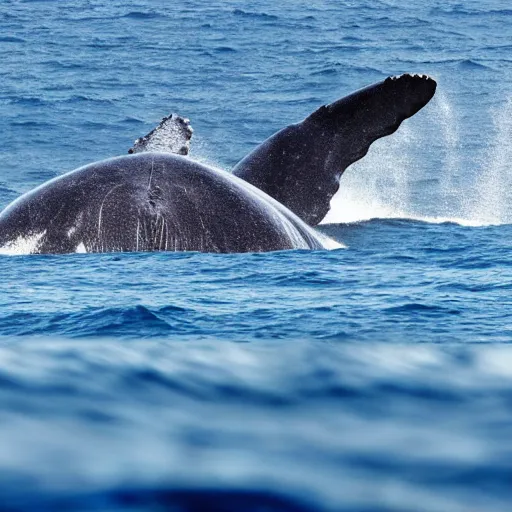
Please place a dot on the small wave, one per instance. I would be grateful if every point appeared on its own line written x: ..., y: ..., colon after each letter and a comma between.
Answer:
x: 326, y: 72
x: 35, y: 101
x: 139, y: 321
x: 32, y: 124
x: 472, y: 223
x: 82, y: 97
x: 28, y: 100
x: 422, y: 309
x: 6, y: 190
x: 370, y: 217
x: 225, y: 49
x: 353, y: 39
x: 257, y: 15
x: 57, y: 87
x: 85, y: 19
x: 459, y: 9
x: 56, y: 64
x: 343, y: 67
x: 473, y: 263
x: 139, y: 15
x: 132, y: 120
x: 505, y: 47
x: 460, y: 63
x: 310, y: 278
x: 472, y: 64
x: 365, y: 69
x: 11, y: 39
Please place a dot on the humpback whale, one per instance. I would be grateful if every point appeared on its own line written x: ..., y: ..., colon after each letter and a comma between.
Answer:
x: 156, y: 198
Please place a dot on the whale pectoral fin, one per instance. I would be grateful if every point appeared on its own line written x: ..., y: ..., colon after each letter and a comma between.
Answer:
x: 172, y: 135
x: 300, y: 166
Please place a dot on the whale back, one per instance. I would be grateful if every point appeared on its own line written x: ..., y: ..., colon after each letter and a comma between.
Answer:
x: 300, y: 166
x: 150, y: 202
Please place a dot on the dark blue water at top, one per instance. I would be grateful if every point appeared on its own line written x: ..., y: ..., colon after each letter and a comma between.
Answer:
x: 375, y: 377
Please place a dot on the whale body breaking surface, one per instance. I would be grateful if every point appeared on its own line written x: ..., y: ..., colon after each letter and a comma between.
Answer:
x: 158, y: 199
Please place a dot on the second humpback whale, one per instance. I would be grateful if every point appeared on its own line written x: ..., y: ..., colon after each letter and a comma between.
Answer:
x: 157, y: 198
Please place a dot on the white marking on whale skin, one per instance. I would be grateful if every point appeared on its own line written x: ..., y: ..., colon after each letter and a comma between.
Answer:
x: 137, y: 235
x: 151, y: 173
x: 22, y: 245
x: 81, y: 249
x: 101, y: 208
x: 162, y: 234
x: 78, y: 223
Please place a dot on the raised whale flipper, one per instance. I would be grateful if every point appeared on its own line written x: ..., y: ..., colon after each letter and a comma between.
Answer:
x: 172, y: 135
x: 300, y: 166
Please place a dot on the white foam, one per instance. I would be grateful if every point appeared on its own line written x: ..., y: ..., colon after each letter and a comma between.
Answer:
x: 493, y: 187
x: 22, y: 245
x: 474, y: 223
x: 378, y: 185
x: 422, y: 173
x: 351, y: 205
x: 329, y: 243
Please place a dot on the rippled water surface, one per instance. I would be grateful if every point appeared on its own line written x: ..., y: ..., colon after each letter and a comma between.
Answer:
x: 375, y: 377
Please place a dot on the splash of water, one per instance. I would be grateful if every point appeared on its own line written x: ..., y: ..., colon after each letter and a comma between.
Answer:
x: 493, y: 187
x: 22, y: 245
x: 452, y: 197
x: 378, y: 186
x: 423, y: 174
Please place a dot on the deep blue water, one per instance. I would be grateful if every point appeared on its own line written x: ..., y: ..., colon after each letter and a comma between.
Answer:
x: 372, y: 378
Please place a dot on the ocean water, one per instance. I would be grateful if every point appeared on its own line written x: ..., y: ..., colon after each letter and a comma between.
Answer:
x: 372, y: 378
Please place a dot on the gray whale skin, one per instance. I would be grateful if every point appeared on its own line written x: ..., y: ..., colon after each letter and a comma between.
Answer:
x: 155, y: 201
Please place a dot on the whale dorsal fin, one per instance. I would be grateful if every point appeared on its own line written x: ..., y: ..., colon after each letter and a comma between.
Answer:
x: 172, y: 135
x: 300, y: 166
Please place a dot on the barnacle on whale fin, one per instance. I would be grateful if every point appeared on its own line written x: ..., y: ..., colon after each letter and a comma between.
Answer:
x: 172, y: 135
x: 408, y: 76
